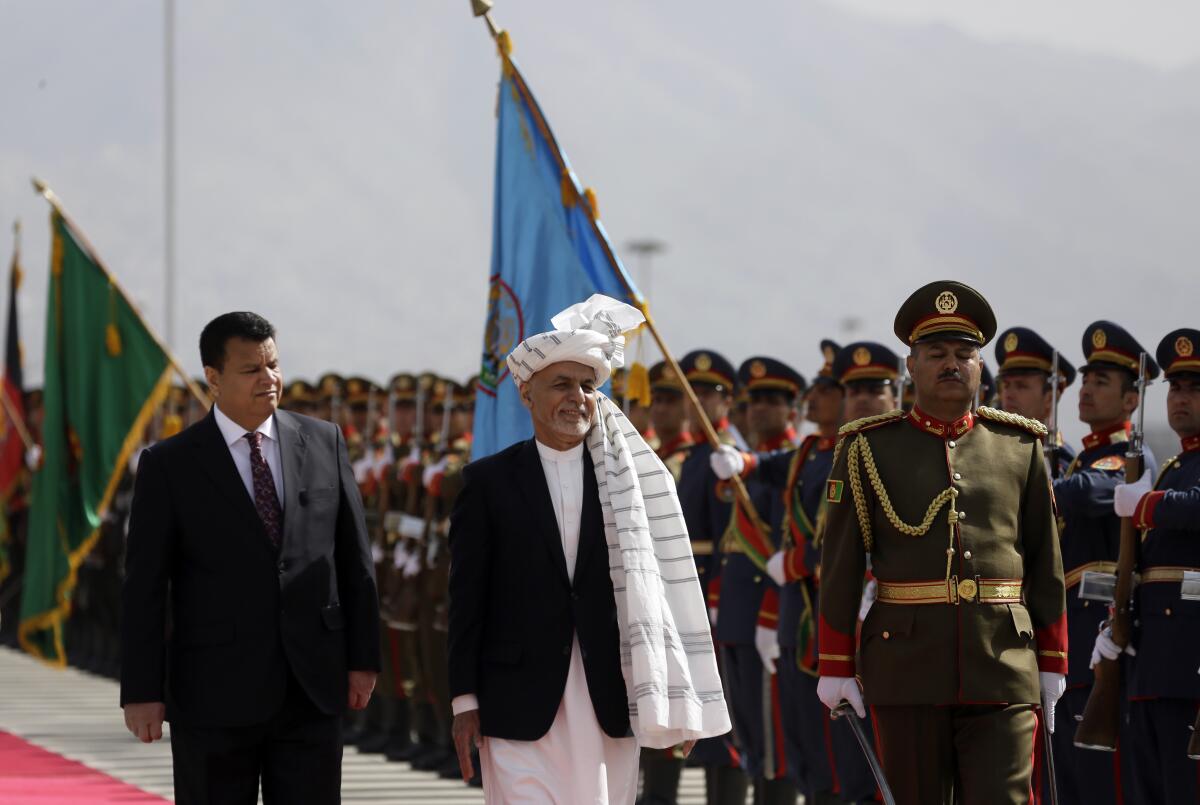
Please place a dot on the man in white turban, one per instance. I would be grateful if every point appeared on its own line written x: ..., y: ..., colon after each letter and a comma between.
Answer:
x: 577, y: 626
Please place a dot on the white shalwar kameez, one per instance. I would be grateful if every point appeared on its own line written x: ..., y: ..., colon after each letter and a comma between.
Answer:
x: 575, y: 763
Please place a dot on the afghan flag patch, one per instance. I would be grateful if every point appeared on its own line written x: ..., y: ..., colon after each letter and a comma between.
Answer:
x: 833, y: 491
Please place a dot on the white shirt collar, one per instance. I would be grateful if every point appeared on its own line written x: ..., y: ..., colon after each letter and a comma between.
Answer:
x: 560, y: 456
x: 232, y: 432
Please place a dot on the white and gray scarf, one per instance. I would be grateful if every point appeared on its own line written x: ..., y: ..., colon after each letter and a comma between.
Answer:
x: 667, y: 655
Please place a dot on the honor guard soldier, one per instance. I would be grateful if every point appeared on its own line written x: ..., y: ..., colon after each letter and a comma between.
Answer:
x: 1163, y: 687
x: 869, y: 374
x: 669, y: 421
x: 1089, y: 536
x: 748, y: 599
x: 712, y: 377
x: 673, y: 442
x: 968, y: 632
x: 329, y: 397
x: 1026, y: 363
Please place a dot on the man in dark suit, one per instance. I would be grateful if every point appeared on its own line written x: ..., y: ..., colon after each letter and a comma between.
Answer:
x: 248, y: 527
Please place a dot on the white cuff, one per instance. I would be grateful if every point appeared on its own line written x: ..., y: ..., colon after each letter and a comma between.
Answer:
x: 464, y: 703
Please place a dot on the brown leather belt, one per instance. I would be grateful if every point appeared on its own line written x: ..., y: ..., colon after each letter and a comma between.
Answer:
x: 1075, y: 576
x: 1166, y: 574
x: 951, y: 591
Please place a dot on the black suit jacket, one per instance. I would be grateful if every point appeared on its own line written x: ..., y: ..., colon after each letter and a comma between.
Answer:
x: 513, y: 610
x: 241, y: 614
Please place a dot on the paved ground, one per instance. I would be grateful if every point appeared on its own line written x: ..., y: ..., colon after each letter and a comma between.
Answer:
x: 75, y: 714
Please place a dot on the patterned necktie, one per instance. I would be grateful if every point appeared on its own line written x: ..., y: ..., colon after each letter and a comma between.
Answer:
x: 265, y: 498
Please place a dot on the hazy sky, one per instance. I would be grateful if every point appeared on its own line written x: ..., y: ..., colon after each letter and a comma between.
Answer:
x: 1165, y: 33
x: 808, y: 163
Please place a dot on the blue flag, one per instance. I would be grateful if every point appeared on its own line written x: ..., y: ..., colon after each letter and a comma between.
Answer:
x: 549, y: 251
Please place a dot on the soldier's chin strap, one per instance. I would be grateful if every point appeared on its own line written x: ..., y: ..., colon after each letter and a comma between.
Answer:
x: 860, y: 451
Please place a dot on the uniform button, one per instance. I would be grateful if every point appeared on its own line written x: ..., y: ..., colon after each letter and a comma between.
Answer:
x: 927, y: 423
x: 962, y: 515
x: 1085, y: 603
x: 757, y: 579
x: 950, y: 444
x: 966, y: 554
x: 724, y: 562
x: 1167, y: 612
x: 958, y: 476
x: 887, y: 635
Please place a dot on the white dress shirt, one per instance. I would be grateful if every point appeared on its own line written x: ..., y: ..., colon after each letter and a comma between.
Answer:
x: 239, y: 447
x: 564, y: 479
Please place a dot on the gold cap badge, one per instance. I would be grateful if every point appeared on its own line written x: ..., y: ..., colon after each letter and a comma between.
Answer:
x: 758, y: 369
x: 703, y: 362
x: 1183, y: 346
x: 1099, y: 339
x: 946, y: 302
x: 862, y: 356
x: 1010, y: 342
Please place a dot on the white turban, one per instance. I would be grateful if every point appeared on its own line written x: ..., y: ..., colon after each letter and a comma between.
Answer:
x: 588, y: 332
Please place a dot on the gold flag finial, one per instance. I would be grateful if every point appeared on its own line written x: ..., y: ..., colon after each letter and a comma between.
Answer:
x: 480, y: 7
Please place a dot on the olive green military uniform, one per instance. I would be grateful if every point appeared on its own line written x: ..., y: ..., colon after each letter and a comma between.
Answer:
x: 958, y: 521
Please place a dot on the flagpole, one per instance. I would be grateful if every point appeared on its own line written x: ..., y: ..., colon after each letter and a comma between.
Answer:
x: 44, y: 190
x: 9, y: 411
x: 482, y: 8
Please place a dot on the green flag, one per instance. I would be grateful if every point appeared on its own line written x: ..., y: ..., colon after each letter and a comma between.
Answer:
x: 105, y: 374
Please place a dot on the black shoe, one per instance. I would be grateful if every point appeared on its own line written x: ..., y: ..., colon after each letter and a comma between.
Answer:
x: 450, y: 770
x: 431, y: 761
x: 399, y: 748
x: 373, y: 744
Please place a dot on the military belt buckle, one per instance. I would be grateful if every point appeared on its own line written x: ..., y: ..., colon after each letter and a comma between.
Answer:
x: 1097, y: 586
x: 1189, y: 588
x: 967, y: 589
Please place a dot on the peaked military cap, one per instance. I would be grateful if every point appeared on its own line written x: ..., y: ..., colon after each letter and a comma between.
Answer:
x: 865, y: 360
x: 329, y: 385
x: 1110, y: 346
x: 1019, y: 349
x: 708, y: 367
x: 664, y: 378
x: 829, y: 351
x: 769, y: 374
x: 358, y: 390
x: 945, y: 309
x: 620, y: 383
x: 299, y: 391
x: 403, y: 387
x: 1177, y: 352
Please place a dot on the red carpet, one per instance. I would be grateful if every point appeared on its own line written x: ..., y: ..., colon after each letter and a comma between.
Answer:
x: 29, y: 775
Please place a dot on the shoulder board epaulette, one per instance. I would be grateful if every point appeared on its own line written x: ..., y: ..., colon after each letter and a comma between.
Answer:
x: 1006, y: 418
x: 871, y: 422
x: 1166, y: 465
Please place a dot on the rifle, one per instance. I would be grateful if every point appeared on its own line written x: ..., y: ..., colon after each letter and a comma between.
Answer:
x: 1050, y: 448
x: 1101, y: 716
x: 901, y: 382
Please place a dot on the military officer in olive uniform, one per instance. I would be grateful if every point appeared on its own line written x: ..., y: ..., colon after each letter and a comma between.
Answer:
x: 1026, y: 362
x: 1163, y: 684
x: 968, y: 632
x: 1089, y: 536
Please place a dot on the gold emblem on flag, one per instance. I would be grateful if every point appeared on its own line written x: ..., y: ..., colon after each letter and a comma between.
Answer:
x: 946, y: 302
x: 862, y: 356
x: 1183, y: 346
x: 758, y: 369
x: 1010, y: 342
x: 1099, y: 339
x: 703, y: 362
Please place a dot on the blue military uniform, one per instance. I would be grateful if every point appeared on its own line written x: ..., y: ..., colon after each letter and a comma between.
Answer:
x: 1089, y: 537
x: 1164, y: 687
x: 754, y: 691
x: 707, y: 516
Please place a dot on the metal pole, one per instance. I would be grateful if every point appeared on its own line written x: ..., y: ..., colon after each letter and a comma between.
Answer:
x: 169, y: 170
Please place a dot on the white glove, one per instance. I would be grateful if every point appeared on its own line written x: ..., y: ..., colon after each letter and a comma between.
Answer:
x: 432, y: 470
x: 712, y: 616
x: 376, y: 553
x: 1126, y: 496
x: 767, y: 642
x: 775, y: 568
x: 1107, y: 649
x: 726, y: 462
x: 833, y: 690
x: 1053, y: 686
x: 412, y: 566
x: 870, y: 593
x: 399, y: 556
